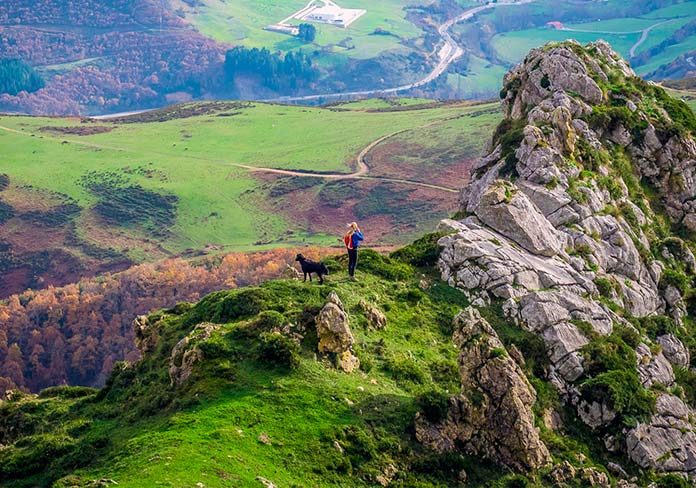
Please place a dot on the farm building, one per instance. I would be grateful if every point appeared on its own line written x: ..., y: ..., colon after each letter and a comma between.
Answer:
x: 333, y: 14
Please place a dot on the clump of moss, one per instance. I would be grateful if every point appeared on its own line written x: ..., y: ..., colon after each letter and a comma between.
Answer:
x: 509, y: 134
x: 279, y: 350
x: 423, y: 252
x: 611, y: 376
x: 607, y: 287
x: 434, y: 404
x: 675, y: 278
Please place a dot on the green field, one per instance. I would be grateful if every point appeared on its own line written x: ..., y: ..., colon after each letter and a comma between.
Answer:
x: 482, y: 79
x: 621, y: 33
x: 513, y: 46
x: 243, y: 23
x: 196, y: 159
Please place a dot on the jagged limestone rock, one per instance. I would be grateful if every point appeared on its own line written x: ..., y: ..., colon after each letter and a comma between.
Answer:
x: 186, y: 354
x: 674, y: 350
x: 507, y: 210
x: 375, y: 317
x: 653, y: 367
x: 492, y: 416
x: 667, y: 442
x: 146, y: 336
x: 595, y: 414
x: 334, y: 333
x: 550, y: 219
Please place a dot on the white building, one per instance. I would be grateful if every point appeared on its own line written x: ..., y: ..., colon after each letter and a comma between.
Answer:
x: 334, y: 15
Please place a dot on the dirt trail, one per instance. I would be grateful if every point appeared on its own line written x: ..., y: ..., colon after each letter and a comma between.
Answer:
x: 361, y: 172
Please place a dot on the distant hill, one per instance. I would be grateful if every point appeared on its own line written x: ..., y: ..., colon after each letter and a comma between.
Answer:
x: 106, y: 57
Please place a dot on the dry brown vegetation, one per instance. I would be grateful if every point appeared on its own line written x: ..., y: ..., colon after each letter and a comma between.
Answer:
x: 74, y: 334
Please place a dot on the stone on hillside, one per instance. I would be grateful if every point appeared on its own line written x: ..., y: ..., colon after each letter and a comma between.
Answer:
x: 667, y: 442
x: 499, y: 424
x: 266, y: 483
x: 146, y: 336
x: 185, y: 356
x: 674, y: 350
x: 653, y: 368
x: 334, y: 333
x: 375, y: 318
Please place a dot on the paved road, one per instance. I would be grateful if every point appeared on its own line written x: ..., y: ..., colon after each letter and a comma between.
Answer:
x: 644, y: 36
x: 448, y: 53
x: 643, y: 33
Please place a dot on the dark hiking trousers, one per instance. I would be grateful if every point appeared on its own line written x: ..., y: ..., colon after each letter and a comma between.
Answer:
x: 352, y: 261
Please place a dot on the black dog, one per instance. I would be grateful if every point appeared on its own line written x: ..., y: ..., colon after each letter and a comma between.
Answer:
x: 309, y: 267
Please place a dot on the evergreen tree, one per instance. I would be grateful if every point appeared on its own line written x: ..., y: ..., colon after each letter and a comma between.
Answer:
x: 273, y: 70
x: 307, y: 32
x: 17, y: 76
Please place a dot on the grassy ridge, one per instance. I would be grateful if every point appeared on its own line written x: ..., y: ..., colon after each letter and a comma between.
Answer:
x: 207, y: 431
x: 248, y: 411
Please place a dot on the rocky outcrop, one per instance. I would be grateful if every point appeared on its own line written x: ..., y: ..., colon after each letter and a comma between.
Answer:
x: 335, y: 335
x: 146, y: 335
x: 674, y: 350
x: 375, y: 317
x: 493, y: 415
x: 557, y: 229
x: 564, y: 473
x: 186, y: 354
x: 653, y: 368
x: 510, y: 212
x: 668, y: 441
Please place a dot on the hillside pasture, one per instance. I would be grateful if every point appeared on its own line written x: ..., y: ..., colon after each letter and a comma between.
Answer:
x: 183, y: 180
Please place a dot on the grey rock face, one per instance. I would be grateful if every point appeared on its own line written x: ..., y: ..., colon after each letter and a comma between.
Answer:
x: 504, y: 208
x: 546, y: 237
x: 499, y: 424
x: 145, y: 334
x: 674, y: 350
x: 595, y: 414
x: 668, y: 441
x: 334, y: 333
x: 186, y: 354
x: 653, y: 368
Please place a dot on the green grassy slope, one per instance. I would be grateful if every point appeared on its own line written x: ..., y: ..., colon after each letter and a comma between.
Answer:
x: 243, y: 23
x: 246, y: 412
x: 196, y: 160
x: 621, y: 33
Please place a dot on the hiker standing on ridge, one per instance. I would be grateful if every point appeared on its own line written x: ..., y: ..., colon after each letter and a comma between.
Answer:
x: 352, y: 240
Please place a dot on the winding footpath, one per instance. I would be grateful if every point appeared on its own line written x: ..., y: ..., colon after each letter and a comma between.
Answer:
x: 361, y: 172
x: 448, y: 53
